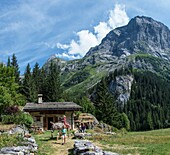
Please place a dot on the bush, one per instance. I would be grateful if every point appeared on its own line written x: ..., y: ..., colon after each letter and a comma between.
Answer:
x: 24, y: 118
x: 7, y: 119
x: 11, y: 110
x: 19, y: 118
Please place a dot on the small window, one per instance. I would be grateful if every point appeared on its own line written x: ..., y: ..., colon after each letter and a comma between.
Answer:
x: 37, y: 118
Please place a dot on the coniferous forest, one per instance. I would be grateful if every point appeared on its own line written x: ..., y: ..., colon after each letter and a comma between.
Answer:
x: 148, y: 106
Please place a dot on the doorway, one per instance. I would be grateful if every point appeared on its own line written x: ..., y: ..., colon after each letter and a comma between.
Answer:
x: 50, y: 119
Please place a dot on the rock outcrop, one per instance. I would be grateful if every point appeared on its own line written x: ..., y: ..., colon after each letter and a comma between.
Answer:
x: 85, y: 147
x: 29, y: 145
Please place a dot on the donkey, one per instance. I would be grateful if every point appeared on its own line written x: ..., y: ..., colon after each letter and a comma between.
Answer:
x: 58, y: 126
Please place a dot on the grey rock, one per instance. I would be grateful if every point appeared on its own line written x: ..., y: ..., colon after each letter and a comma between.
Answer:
x: 109, y: 153
x: 82, y: 135
x: 91, y: 153
x: 122, y: 87
x: 18, y: 130
x: 85, y: 147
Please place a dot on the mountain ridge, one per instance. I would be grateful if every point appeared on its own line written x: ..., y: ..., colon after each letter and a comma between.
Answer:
x: 141, y: 33
x: 141, y: 36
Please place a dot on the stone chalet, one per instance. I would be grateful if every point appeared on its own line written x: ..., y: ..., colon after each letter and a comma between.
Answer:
x: 45, y: 112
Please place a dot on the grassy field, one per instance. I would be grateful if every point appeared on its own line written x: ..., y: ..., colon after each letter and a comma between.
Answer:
x: 155, y: 142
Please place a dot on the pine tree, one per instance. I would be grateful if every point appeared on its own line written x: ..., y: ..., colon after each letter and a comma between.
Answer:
x: 37, y: 77
x: 8, y: 62
x: 149, y: 121
x: 53, y: 91
x: 87, y: 106
x: 105, y: 105
x: 42, y: 82
x: 14, y: 64
x: 29, y: 88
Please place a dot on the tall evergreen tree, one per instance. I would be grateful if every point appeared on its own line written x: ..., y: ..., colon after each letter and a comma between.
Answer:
x: 53, y: 89
x: 36, y: 74
x: 29, y: 88
x: 105, y: 105
x: 8, y: 62
x: 14, y: 64
x: 43, y: 77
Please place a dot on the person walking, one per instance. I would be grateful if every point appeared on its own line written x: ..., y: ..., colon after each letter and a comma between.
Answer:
x: 64, y: 132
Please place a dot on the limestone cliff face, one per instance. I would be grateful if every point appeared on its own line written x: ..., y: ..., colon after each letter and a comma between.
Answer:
x: 121, y: 87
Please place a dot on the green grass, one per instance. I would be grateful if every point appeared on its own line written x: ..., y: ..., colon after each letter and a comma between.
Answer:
x: 10, y: 140
x: 49, y: 146
x: 44, y: 143
x: 145, y: 143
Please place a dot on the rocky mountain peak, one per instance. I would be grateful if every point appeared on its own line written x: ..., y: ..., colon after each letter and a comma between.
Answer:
x: 141, y: 35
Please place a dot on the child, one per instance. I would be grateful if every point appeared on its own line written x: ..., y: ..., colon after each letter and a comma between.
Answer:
x: 64, y: 131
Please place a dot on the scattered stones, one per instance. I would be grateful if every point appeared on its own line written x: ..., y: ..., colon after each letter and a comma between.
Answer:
x: 110, y: 133
x: 29, y: 143
x: 85, y: 147
x: 17, y: 130
x: 81, y: 135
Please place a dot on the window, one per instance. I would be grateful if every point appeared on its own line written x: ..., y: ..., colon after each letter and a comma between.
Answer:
x: 38, y: 118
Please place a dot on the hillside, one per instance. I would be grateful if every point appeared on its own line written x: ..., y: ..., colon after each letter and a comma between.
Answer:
x: 139, y: 51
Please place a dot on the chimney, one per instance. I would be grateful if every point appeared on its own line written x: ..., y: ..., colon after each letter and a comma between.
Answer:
x: 40, y: 98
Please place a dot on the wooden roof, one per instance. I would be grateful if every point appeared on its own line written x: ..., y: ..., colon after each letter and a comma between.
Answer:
x: 70, y: 106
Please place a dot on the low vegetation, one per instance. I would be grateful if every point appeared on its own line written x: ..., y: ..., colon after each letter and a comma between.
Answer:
x: 10, y: 140
x: 155, y: 142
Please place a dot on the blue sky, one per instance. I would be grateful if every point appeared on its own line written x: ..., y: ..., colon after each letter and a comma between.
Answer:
x: 37, y: 29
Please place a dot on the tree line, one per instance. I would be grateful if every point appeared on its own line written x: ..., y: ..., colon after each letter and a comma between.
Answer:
x: 41, y: 81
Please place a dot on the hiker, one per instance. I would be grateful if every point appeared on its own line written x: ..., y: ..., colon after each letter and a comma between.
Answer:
x: 64, y: 131
x: 83, y: 128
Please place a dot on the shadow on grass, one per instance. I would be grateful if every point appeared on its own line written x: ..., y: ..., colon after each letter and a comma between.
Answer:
x: 70, y: 151
x: 57, y: 143
x: 47, y: 139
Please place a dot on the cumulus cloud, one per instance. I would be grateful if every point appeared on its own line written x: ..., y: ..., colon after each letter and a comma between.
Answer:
x: 86, y: 39
x: 101, y: 30
x: 118, y: 17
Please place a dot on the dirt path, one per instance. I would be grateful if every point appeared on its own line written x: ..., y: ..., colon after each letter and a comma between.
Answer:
x: 48, y: 146
x: 60, y: 149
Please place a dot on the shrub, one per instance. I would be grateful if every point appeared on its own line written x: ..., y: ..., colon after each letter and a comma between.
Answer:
x: 11, y: 110
x: 7, y: 119
x: 24, y: 118
x: 19, y: 118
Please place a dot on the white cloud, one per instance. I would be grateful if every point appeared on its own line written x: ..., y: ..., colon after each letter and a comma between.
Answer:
x: 118, y: 16
x: 62, y: 46
x: 101, y: 30
x: 87, y: 39
x: 67, y: 56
